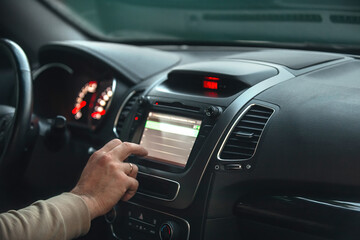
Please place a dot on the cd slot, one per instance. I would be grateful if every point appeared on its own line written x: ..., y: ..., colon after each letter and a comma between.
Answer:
x: 157, y: 187
x: 177, y: 105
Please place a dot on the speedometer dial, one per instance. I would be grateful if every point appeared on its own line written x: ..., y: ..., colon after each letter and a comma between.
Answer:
x: 102, y: 103
x: 84, y: 100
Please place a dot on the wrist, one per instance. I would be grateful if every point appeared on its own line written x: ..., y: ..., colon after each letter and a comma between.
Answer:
x: 89, y: 202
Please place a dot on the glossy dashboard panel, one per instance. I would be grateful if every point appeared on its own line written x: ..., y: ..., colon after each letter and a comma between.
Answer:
x: 228, y: 102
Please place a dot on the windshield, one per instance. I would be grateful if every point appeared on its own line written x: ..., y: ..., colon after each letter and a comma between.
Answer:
x: 321, y: 22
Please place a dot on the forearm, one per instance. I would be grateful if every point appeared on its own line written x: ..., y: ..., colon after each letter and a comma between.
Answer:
x: 62, y: 217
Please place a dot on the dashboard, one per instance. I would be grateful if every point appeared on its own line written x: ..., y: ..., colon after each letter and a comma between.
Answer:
x: 243, y: 142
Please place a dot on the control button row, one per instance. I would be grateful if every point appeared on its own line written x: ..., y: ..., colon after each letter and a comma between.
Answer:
x: 141, y: 227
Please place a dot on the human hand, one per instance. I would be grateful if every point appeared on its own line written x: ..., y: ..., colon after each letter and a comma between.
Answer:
x: 106, y: 178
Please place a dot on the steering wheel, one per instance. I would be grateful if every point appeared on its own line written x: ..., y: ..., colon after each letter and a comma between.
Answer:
x: 15, y: 122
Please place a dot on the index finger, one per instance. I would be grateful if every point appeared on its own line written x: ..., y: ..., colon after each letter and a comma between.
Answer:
x: 111, y: 144
x: 125, y: 149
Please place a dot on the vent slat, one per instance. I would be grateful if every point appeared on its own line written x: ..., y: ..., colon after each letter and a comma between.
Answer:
x: 260, y: 112
x: 254, y: 138
x: 126, y: 110
x: 249, y: 128
x: 240, y: 147
x: 239, y: 155
x: 234, y: 140
x: 252, y: 123
x: 257, y: 116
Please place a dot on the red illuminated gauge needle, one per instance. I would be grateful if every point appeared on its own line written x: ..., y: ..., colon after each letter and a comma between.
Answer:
x: 94, y: 114
x: 78, y: 107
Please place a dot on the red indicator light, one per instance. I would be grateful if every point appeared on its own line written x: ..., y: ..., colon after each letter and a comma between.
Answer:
x: 97, y: 115
x: 210, y: 85
x: 77, y: 108
x: 136, y: 118
x: 212, y: 94
x: 212, y: 78
x: 156, y: 103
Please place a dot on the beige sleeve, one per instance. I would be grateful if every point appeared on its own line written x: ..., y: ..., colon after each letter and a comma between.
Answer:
x: 62, y: 217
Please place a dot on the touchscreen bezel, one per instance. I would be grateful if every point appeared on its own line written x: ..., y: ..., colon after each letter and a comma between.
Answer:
x: 170, y: 142
x: 143, y: 161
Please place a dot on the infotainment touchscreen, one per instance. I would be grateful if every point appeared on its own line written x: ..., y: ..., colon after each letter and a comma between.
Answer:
x: 169, y: 138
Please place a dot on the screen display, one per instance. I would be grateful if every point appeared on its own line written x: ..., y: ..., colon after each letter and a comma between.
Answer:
x: 169, y: 138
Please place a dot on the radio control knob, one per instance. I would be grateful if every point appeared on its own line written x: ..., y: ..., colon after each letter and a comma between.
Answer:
x: 169, y: 231
x: 213, y: 111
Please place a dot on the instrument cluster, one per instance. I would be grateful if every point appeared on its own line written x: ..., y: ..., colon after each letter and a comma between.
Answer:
x: 93, y: 101
x: 83, y: 98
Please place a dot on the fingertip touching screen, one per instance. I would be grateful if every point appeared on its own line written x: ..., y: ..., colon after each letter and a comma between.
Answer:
x: 169, y: 138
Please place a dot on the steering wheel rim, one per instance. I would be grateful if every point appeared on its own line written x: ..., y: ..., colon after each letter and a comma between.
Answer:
x: 11, y: 156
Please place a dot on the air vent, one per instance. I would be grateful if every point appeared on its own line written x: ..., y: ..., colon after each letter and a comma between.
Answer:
x: 244, y: 138
x: 345, y: 19
x: 263, y: 17
x: 125, y: 109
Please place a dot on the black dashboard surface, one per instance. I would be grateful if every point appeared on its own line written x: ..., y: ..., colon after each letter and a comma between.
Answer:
x: 287, y: 120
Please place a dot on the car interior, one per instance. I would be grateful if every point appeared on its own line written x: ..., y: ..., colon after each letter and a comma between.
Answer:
x: 249, y: 111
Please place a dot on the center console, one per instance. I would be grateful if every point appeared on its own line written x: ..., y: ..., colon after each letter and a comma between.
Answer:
x: 174, y: 133
x: 180, y: 120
